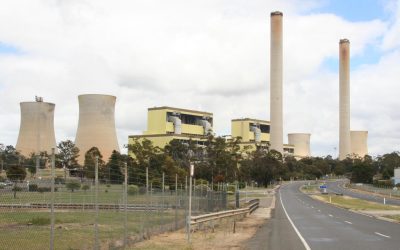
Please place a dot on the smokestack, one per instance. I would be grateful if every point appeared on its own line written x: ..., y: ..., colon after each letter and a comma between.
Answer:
x: 344, y: 99
x: 276, y: 82
x: 96, y: 126
x: 36, y: 132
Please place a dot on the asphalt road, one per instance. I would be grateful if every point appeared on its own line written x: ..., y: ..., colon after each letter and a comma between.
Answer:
x: 337, y: 187
x: 321, y: 226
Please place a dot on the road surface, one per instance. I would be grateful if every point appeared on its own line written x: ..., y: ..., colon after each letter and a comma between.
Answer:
x: 300, y: 222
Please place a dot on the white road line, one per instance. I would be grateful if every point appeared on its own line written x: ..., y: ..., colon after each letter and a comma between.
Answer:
x: 294, y: 227
x: 348, y: 222
x: 386, y: 236
x: 330, y: 215
x: 319, y: 210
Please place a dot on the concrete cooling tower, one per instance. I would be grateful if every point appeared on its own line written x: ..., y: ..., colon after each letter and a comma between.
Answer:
x: 96, y: 126
x: 301, y: 142
x: 359, y: 143
x: 36, y: 132
x: 276, y: 82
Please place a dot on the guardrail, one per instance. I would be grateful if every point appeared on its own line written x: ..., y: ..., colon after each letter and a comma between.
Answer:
x: 253, y: 205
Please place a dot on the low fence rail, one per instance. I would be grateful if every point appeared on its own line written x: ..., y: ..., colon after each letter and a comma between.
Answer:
x: 253, y: 205
x: 136, y: 207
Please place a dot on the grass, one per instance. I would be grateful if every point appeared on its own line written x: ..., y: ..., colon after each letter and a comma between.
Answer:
x: 310, y: 188
x: 393, y: 217
x: 354, y: 203
x: 74, y: 230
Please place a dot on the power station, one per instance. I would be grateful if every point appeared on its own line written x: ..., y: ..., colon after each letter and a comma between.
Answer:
x: 36, y: 132
x: 96, y: 126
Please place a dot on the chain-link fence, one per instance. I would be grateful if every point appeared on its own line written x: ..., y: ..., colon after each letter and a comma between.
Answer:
x: 54, y: 212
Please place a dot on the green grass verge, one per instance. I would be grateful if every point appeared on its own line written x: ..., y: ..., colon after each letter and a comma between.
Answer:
x: 354, y: 203
x: 393, y: 217
x: 73, y: 230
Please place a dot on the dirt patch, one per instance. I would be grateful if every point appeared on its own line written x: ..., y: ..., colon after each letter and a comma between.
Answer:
x: 227, y: 234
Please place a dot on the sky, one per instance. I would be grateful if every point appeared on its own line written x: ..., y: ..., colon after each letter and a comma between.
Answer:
x: 209, y: 55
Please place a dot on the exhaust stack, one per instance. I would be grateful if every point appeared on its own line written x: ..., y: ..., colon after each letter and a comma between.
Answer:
x: 276, y: 82
x: 344, y: 99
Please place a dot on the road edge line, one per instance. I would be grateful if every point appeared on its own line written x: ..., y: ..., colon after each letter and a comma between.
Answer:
x: 294, y: 227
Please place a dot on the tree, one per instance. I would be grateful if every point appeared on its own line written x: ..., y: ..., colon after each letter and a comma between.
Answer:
x: 16, y: 173
x: 363, y: 170
x: 67, y: 155
x: 113, y: 168
x: 90, y: 163
x: 73, y: 185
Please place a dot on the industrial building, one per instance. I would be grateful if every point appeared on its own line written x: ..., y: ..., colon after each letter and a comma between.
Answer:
x: 396, y: 178
x: 96, y: 126
x: 36, y: 133
x: 165, y: 124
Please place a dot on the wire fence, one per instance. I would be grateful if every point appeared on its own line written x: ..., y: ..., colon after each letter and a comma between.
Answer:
x: 100, y: 213
x: 383, y: 190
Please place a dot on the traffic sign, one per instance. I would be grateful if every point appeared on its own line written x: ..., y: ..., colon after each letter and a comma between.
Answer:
x: 322, y: 187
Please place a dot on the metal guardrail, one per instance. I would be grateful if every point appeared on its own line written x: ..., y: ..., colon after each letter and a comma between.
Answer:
x: 253, y: 205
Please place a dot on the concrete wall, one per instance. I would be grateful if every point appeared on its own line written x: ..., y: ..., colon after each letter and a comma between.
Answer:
x: 301, y: 142
x: 359, y: 143
x: 36, y: 133
x: 96, y: 127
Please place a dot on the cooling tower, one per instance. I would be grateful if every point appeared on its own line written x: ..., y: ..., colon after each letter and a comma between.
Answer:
x: 36, y: 132
x: 276, y: 82
x: 344, y: 99
x: 96, y: 126
x: 359, y: 143
x: 301, y: 142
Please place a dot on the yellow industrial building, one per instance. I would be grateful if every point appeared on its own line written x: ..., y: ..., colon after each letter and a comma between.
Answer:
x: 255, y: 132
x: 167, y: 123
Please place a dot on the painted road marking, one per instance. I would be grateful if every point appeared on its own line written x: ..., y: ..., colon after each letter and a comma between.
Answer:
x: 330, y: 215
x: 386, y: 236
x: 319, y: 210
x: 348, y: 222
x: 294, y: 227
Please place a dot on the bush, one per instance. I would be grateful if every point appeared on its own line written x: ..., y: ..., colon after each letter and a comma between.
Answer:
x: 59, y: 180
x: 40, y: 221
x: 2, y: 179
x: 133, y: 190
x: 44, y: 189
x: 17, y: 189
x: 142, y: 190
x: 33, y: 187
x: 85, y: 187
x: 73, y: 185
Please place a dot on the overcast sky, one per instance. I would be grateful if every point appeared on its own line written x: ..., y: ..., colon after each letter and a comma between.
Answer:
x: 211, y: 55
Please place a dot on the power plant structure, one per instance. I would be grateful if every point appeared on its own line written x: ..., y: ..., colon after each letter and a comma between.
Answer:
x: 359, y: 143
x: 351, y: 143
x: 344, y: 99
x: 96, y: 126
x: 36, y: 132
x: 276, y: 78
x: 301, y: 143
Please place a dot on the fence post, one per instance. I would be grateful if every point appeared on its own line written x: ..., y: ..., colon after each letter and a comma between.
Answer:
x: 52, y: 200
x: 126, y: 206
x: 147, y: 180
x: 176, y: 201
x: 96, y: 198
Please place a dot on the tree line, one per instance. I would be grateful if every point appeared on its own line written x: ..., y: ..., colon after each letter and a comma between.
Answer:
x: 217, y: 160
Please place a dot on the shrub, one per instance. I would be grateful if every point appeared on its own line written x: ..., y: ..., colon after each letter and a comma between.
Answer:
x: 17, y: 189
x: 142, y: 190
x: 133, y: 190
x: 59, y: 180
x: 44, y: 189
x: 73, y: 185
x: 85, y: 187
x: 40, y: 221
x: 33, y: 187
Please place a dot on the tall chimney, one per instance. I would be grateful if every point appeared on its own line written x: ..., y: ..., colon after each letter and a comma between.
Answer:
x: 344, y: 98
x: 276, y: 82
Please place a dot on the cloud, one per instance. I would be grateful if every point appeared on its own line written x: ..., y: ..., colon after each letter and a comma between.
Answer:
x: 211, y: 55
